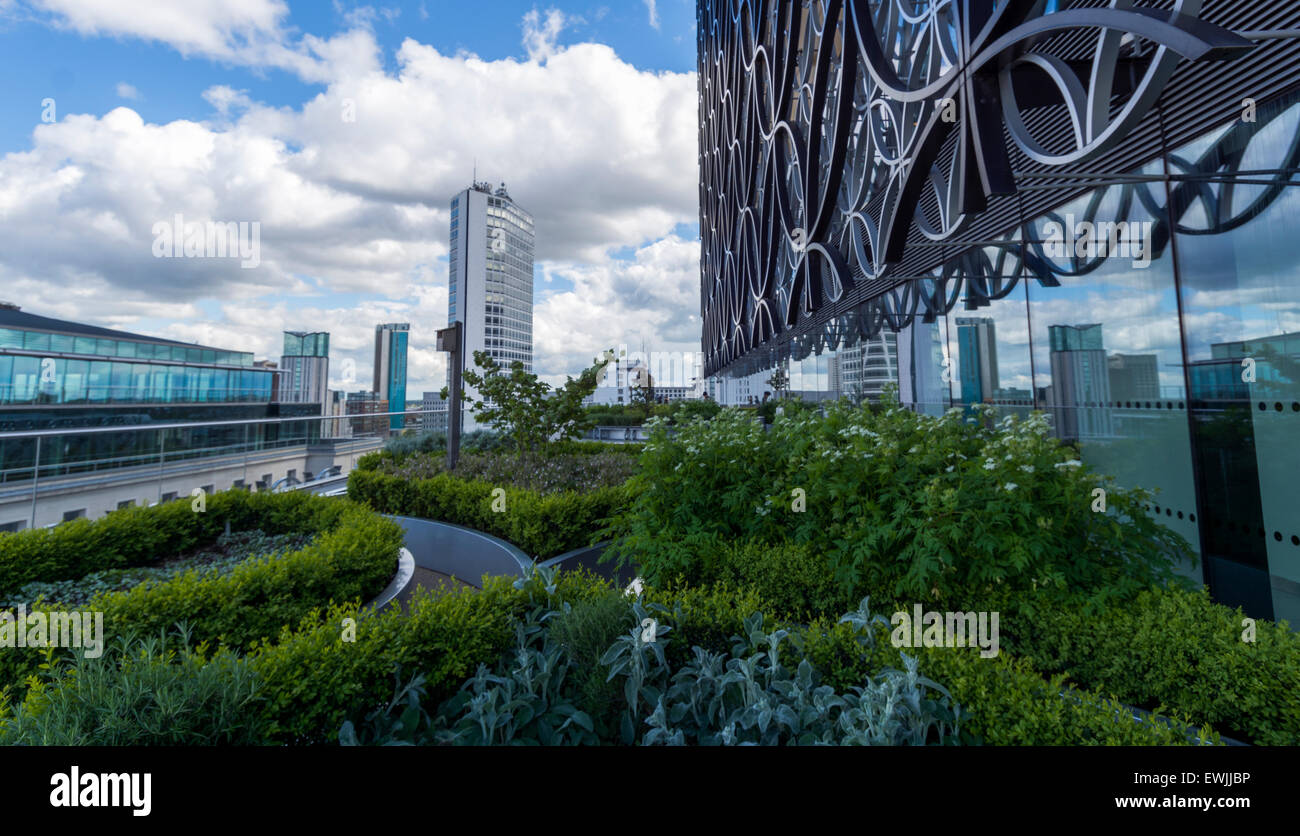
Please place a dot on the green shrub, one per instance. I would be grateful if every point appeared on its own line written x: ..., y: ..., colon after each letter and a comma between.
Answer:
x: 917, y: 507
x: 544, y: 526
x: 794, y: 580
x: 585, y: 632
x: 744, y: 694
x: 1178, y: 649
x: 1004, y: 701
x: 313, y: 681
x: 229, y: 551
x: 1166, y: 648
x: 146, y: 693
x: 136, y: 536
x: 544, y: 472
x: 350, y: 562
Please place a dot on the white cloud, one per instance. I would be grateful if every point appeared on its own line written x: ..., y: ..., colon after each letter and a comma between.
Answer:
x: 127, y: 91
x: 651, y: 299
x: 541, y: 34
x: 244, y: 32
x: 653, y: 8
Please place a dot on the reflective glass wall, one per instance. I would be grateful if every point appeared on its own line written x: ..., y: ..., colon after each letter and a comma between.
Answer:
x: 1156, y: 321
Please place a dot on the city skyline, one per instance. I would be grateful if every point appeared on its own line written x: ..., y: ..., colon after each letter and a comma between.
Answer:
x: 312, y: 107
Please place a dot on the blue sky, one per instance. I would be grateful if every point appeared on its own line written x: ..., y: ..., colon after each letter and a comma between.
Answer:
x: 227, y: 110
x: 43, y: 60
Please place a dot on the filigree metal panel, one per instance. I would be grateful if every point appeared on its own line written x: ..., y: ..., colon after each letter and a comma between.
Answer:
x: 835, y: 132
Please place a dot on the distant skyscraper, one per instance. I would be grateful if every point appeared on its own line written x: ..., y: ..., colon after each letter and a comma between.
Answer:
x: 305, y: 367
x: 1080, y: 381
x: 977, y: 346
x: 390, y: 368
x: 490, y: 275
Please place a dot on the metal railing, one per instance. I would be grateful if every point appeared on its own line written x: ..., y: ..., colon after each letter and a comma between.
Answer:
x: 53, y: 461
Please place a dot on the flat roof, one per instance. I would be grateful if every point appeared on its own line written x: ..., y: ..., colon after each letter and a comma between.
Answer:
x: 33, y: 322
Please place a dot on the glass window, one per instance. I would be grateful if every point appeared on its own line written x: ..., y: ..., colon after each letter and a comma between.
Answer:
x: 140, y: 373
x: 6, y: 378
x: 1107, y: 351
x: 126, y: 349
x: 97, y: 387
x: 176, y: 384
x: 158, y: 384
x: 106, y: 348
x: 84, y: 345
x: 61, y: 343
x: 75, y: 374
x: 1241, y: 296
x: 36, y: 341
x: 10, y: 338
x: 120, y: 386
x: 26, y: 373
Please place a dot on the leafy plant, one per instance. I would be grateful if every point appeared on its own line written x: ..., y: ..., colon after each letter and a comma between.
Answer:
x: 898, y: 504
x: 528, y: 704
x: 751, y: 698
x: 159, y: 691
x: 517, y: 404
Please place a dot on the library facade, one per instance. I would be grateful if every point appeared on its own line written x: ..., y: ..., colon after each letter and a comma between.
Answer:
x: 1079, y: 207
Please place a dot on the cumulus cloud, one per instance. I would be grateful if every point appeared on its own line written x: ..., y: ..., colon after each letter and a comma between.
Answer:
x: 127, y: 91
x: 650, y: 299
x: 244, y: 32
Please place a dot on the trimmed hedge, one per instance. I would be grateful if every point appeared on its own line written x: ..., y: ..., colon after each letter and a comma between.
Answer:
x: 1167, y: 647
x: 543, y: 525
x: 1176, y: 648
x: 350, y: 561
x: 136, y: 536
x: 312, y: 680
x: 1003, y: 700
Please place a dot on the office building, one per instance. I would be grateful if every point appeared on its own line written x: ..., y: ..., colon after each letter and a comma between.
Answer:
x: 977, y: 354
x: 490, y: 277
x: 361, y: 408
x: 390, y: 368
x: 306, y: 366
x: 62, y: 375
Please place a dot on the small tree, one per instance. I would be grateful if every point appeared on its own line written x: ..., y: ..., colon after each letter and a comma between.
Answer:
x: 779, y: 381
x: 523, y: 408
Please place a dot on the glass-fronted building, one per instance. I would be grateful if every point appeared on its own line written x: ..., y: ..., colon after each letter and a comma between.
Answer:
x: 305, y: 364
x: 56, y: 374
x: 390, y: 368
x: 1121, y: 258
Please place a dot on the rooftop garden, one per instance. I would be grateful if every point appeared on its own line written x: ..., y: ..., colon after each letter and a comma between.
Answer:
x: 773, y: 563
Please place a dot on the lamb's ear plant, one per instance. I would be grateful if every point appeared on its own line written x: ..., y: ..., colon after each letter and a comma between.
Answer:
x: 403, y: 722
x: 527, y: 702
x: 642, y: 662
x: 864, y: 623
x: 750, y: 697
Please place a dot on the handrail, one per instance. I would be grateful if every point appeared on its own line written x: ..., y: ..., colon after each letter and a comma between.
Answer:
x: 96, y: 430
